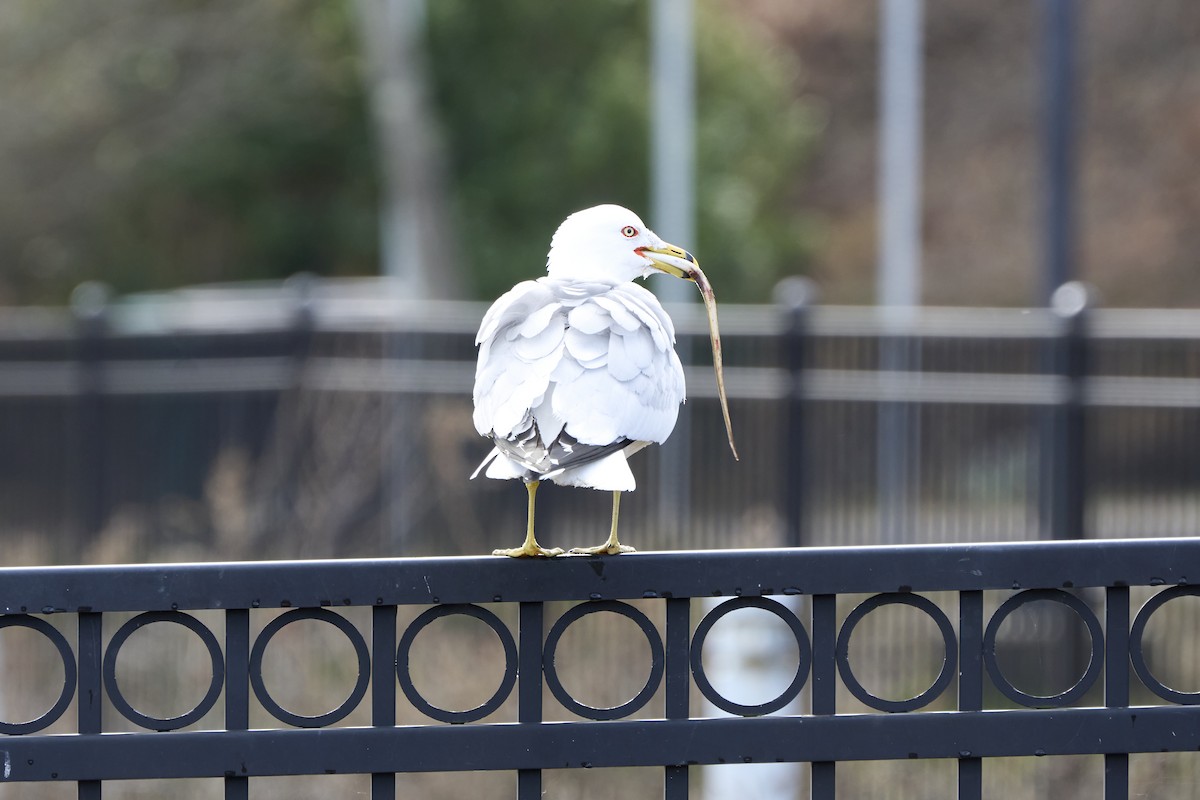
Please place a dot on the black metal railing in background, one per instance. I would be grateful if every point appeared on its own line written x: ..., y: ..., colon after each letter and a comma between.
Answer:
x: 1041, y: 423
x: 1065, y: 463
x: 986, y: 716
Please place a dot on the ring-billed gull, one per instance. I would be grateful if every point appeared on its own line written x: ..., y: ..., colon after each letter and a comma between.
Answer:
x: 577, y: 370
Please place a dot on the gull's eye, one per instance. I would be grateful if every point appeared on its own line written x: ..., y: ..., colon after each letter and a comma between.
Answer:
x: 629, y: 231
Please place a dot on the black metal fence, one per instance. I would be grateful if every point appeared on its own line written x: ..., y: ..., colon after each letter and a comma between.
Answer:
x: 211, y: 422
x: 1120, y: 703
x: 333, y: 420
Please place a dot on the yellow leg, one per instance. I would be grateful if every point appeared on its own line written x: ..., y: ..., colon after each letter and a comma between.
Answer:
x: 612, y: 547
x: 530, y: 548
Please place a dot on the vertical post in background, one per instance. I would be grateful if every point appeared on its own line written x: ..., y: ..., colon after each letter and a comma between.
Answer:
x: 1058, y: 259
x: 89, y: 306
x: 899, y: 266
x: 673, y: 130
x: 795, y: 296
x: 1064, y: 504
x: 673, y: 215
x: 1058, y: 148
x: 753, y: 655
x: 399, y: 463
x: 900, y: 163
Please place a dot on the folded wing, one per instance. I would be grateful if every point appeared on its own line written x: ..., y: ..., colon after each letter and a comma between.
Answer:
x: 569, y: 374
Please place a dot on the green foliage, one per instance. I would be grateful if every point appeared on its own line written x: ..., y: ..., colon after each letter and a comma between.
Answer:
x: 159, y: 143
x: 545, y: 107
x: 172, y: 142
x: 279, y: 180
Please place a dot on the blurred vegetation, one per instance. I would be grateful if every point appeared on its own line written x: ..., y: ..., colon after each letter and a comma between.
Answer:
x: 546, y: 108
x: 159, y: 143
x: 153, y: 144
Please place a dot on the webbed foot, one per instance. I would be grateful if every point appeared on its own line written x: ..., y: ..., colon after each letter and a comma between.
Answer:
x: 529, y: 551
x: 606, y: 549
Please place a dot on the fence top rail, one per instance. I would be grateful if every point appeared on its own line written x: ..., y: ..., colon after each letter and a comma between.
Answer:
x: 713, y: 573
x: 365, y: 305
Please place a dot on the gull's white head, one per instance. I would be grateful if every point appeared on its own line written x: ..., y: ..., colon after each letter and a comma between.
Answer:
x: 611, y: 244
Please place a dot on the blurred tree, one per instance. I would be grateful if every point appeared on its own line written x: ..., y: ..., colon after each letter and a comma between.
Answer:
x: 154, y: 143
x: 157, y: 143
x: 417, y: 246
x: 546, y: 107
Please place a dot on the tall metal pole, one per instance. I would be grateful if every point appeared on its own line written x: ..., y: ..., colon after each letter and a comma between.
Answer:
x: 1058, y: 267
x: 900, y: 130
x: 899, y: 265
x: 673, y: 128
x: 1058, y: 149
x: 673, y: 212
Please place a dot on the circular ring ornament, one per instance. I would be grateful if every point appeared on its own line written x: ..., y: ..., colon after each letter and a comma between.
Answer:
x: 507, y: 682
x: 68, y: 661
x: 360, y: 650
x: 804, y: 663
x: 657, y: 659
x: 949, y: 657
x: 1090, y: 674
x: 1137, y: 653
x: 113, y: 688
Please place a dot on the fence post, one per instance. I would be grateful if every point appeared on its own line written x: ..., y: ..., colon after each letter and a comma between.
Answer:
x: 89, y: 307
x: 303, y: 323
x: 1064, y: 504
x: 795, y: 296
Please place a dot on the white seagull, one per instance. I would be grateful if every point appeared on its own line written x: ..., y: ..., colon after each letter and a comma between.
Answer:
x: 577, y: 370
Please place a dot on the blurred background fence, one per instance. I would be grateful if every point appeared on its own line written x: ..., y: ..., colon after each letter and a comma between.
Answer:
x: 332, y: 418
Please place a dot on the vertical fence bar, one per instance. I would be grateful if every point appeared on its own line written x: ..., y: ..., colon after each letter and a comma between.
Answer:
x: 1116, y: 683
x: 824, y: 685
x: 89, y: 304
x: 90, y: 698
x: 1064, y: 480
x: 383, y: 688
x: 796, y: 296
x: 1069, y: 504
x: 237, y: 689
x: 970, y: 685
x: 675, y: 778
x: 529, y: 688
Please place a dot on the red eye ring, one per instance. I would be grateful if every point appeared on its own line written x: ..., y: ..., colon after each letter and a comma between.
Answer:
x: 629, y: 231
